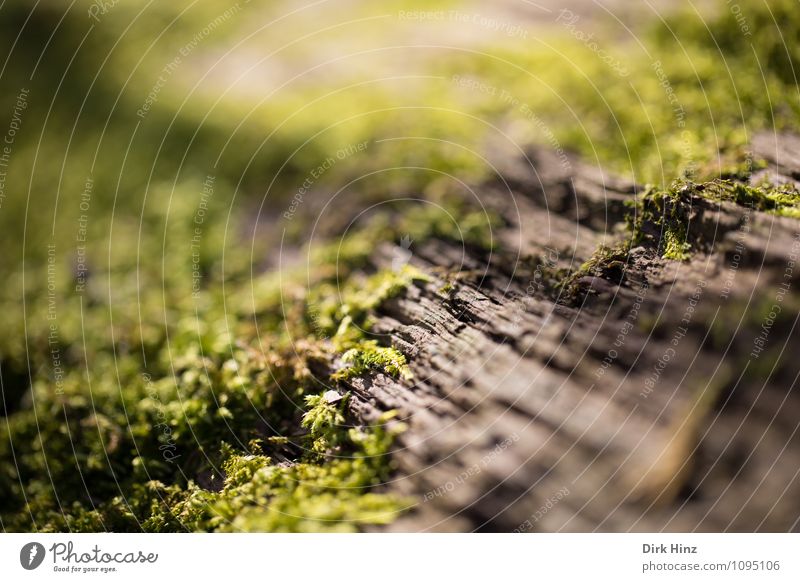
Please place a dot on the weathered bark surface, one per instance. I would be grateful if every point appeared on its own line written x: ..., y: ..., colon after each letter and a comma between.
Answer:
x: 705, y: 440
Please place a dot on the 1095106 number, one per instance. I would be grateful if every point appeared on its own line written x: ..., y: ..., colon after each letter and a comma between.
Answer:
x: 753, y: 565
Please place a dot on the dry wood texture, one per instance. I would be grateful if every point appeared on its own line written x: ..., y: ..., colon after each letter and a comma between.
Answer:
x: 637, y: 402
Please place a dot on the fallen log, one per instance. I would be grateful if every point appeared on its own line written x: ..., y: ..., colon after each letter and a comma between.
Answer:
x: 646, y: 394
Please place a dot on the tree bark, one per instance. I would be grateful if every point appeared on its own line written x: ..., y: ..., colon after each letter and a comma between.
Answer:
x: 634, y: 402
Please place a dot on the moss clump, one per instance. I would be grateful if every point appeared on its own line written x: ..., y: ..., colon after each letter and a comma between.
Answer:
x: 665, y: 215
x: 368, y: 356
x: 258, y: 494
x: 342, y: 310
x: 323, y: 420
x: 675, y: 245
x: 782, y: 199
x: 347, y: 318
x: 662, y: 218
x: 339, y: 495
x: 137, y: 474
x: 447, y: 289
x: 141, y: 446
x: 607, y: 262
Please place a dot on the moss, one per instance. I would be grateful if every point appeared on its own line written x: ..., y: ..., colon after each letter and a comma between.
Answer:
x: 149, y: 437
x: 367, y: 356
x: 675, y: 246
x: 260, y: 495
x: 155, y: 364
x: 345, y: 320
x: 673, y: 113
x: 664, y: 215
x: 662, y: 218
x: 782, y: 199
x: 323, y: 420
x: 358, y: 300
x: 609, y: 262
x: 313, y: 491
x: 342, y: 310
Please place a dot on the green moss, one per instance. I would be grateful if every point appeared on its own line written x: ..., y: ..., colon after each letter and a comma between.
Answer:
x: 664, y: 215
x: 342, y: 310
x: 368, y: 356
x: 123, y: 410
x: 323, y: 421
x: 609, y: 262
x: 339, y: 495
x: 260, y: 495
x: 782, y: 199
x: 147, y: 435
x: 675, y: 246
x: 345, y: 319
x: 661, y: 218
